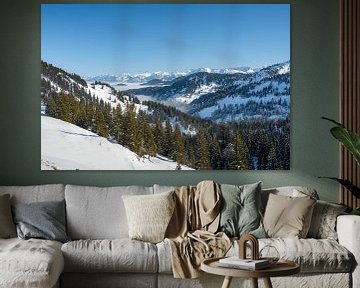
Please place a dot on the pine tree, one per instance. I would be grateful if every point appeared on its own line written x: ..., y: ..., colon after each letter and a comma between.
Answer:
x: 203, y: 150
x: 159, y: 136
x: 168, y: 148
x: 101, y: 127
x: 215, y: 155
x: 240, y: 160
x: 117, y: 123
x: 179, y: 145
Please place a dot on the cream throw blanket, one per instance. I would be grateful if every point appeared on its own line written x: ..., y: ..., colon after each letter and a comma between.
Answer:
x: 191, y: 231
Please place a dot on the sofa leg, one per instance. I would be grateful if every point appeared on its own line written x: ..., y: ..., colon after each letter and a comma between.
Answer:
x: 227, y: 282
x: 254, y: 282
x: 267, y: 282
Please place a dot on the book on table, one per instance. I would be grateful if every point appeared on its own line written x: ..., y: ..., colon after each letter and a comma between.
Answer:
x: 236, y: 262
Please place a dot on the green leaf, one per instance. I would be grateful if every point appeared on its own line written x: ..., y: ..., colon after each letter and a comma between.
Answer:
x: 355, y: 211
x: 347, y: 184
x: 349, y: 139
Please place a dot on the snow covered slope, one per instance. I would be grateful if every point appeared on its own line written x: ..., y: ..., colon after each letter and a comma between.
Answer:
x: 65, y: 146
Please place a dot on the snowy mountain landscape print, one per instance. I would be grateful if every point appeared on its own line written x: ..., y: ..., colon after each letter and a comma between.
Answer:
x: 165, y: 87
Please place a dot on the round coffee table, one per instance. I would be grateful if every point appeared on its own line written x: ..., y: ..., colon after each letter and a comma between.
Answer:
x: 281, y: 268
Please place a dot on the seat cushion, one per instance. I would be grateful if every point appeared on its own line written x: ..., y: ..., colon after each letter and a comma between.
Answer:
x: 313, y: 255
x: 117, y: 255
x: 30, y: 263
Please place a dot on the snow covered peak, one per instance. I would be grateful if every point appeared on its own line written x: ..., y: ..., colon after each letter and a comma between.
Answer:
x: 285, y: 68
x: 145, y: 77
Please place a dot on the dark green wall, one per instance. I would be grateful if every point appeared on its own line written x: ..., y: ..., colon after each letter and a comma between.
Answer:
x: 314, y: 93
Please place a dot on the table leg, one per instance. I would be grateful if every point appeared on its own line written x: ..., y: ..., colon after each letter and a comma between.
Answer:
x: 227, y: 282
x: 254, y: 282
x: 267, y: 283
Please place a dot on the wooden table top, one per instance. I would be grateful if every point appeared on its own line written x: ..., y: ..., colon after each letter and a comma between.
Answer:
x: 281, y: 268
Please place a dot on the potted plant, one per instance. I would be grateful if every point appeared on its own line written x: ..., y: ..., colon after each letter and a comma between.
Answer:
x: 351, y: 141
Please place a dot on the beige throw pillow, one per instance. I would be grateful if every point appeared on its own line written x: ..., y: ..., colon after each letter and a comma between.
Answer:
x: 7, y: 226
x: 288, y: 217
x: 149, y: 215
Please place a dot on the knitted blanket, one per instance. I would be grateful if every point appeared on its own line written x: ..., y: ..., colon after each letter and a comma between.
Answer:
x: 191, y: 231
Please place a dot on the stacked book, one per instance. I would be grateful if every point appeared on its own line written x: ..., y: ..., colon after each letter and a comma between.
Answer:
x: 248, y: 264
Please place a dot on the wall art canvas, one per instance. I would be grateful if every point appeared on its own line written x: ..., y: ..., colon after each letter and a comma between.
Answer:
x: 165, y: 86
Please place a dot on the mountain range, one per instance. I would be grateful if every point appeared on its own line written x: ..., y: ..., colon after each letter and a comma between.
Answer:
x: 227, y: 96
x: 163, y: 75
x: 215, y: 94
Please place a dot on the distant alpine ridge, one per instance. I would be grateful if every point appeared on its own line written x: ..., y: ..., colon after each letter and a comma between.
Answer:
x: 164, y: 76
x: 227, y: 96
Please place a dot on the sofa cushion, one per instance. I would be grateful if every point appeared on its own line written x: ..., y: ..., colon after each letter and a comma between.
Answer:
x: 7, y: 226
x: 109, y: 280
x: 287, y: 216
x: 291, y: 191
x: 30, y: 263
x: 313, y: 255
x: 35, y: 193
x: 149, y: 215
x: 163, y: 188
x: 98, y: 213
x: 43, y: 220
x: 323, y: 222
x: 240, y: 210
x: 117, y: 255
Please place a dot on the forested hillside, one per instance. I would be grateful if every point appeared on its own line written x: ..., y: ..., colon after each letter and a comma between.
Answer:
x: 151, y: 128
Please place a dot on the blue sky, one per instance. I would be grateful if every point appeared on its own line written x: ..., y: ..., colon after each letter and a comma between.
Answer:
x: 94, y: 39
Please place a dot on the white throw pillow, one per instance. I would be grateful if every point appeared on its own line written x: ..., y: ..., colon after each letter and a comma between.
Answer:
x: 149, y: 215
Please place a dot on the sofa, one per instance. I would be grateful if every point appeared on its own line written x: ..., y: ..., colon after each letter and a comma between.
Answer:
x: 100, y: 253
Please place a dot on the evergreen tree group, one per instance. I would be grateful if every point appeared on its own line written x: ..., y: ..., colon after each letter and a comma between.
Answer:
x: 237, y: 145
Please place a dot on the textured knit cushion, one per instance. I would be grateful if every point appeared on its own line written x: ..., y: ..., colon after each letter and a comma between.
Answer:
x: 323, y: 223
x: 7, y: 226
x: 149, y: 215
x: 240, y: 213
x: 44, y: 220
x: 287, y: 217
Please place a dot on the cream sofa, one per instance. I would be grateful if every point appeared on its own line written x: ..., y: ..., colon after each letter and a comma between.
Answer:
x: 101, y: 255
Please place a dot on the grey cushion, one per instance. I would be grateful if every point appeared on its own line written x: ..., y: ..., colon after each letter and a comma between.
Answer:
x: 44, y: 220
x: 30, y: 263
x: 240, y: 213
x: 7, y: 227
x: 117, y: 255
x: 323, y: 222
x: 98, y: 213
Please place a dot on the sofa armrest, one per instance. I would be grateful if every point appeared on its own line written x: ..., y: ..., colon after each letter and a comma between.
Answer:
x: 348, y: 230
